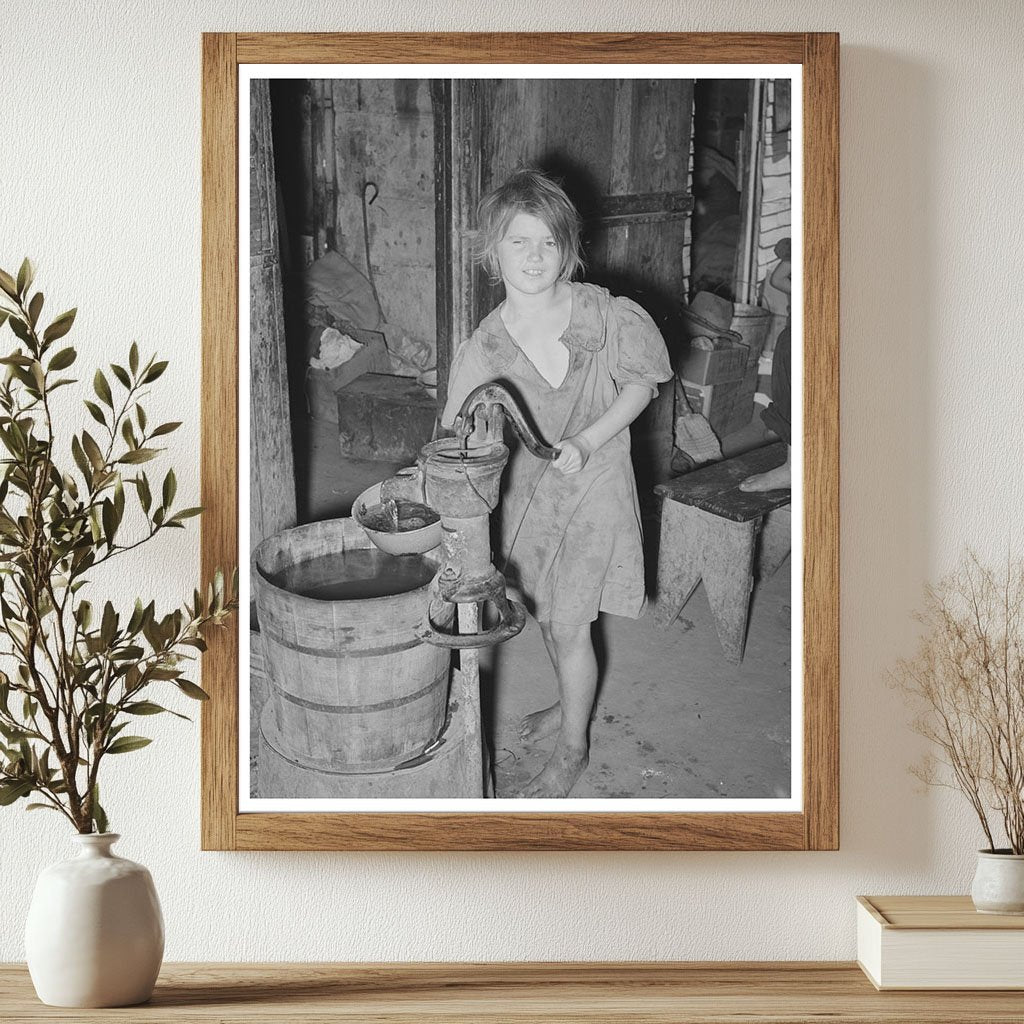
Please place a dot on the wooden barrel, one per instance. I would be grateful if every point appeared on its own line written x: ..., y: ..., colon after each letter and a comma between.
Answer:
x: 351, y: 688
x: 448, y: 770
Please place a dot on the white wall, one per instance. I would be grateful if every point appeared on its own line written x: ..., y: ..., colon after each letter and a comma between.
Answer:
x: 100, y: 183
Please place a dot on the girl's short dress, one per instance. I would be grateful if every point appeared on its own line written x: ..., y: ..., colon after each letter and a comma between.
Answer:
x: 572, y: 544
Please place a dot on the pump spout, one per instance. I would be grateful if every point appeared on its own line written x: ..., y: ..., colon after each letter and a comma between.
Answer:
x: 485, y: 407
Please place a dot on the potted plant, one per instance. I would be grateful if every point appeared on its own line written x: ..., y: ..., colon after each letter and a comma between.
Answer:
x: 77, y: 672
x: 967, y: 680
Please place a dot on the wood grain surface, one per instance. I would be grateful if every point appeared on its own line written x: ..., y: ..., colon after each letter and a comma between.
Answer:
x: 614, y: 993
x: 936, y: 912
x: 817, y: 826
x: 271, y: 464
x: 219, y: 430
x: 821, y: 440
x: 522, y: 48
x: 715, y: 486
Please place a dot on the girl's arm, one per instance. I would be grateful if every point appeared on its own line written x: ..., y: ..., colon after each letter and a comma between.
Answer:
x: 576, y: 450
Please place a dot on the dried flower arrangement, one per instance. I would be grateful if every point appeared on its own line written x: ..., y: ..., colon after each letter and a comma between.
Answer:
x: 967, y: 679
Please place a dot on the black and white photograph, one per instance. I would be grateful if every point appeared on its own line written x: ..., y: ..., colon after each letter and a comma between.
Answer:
x: 522, y: 373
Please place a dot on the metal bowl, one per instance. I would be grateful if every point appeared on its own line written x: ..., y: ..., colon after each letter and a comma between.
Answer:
x: 408, y: 542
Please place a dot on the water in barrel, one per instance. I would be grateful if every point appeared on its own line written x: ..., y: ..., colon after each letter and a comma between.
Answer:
x: 355, y: 575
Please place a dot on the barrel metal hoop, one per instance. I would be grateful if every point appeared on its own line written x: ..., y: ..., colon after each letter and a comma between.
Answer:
x: 372, y: 768
x: 339, y: 655
x: 360, y: 709
x: 387, y: 767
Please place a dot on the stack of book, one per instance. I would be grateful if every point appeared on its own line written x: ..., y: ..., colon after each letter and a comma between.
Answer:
x: 938, y: 942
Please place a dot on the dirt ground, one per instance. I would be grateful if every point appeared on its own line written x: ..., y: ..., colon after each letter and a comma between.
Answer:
x: 673, y: 717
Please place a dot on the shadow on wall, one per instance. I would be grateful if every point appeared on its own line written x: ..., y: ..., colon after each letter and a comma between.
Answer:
x: 888, y: 419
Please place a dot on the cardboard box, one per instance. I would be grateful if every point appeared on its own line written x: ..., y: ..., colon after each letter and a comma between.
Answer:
x: 728, y: 407
x: 698, y: 397
x: 728, y: 324
x: 726, y: 362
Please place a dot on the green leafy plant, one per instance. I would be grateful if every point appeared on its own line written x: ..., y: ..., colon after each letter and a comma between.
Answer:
x: 78, y: 673
x: 967, y: 682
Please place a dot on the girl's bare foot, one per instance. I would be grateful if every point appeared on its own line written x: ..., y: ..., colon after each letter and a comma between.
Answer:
x: 774, y: 480
x: 540, y: 724
x: 560, y: 774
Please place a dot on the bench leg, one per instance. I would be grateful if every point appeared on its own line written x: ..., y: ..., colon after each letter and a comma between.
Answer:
x: 680, y: 560
x: 775, y: 541
x: 697, y: 545
x: 728, y: 580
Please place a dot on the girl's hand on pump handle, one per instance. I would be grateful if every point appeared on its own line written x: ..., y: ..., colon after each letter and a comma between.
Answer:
x: 573, y: 455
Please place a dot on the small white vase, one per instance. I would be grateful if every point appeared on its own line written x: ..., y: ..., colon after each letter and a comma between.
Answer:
x: 95, y: 933
x: 999, y: 883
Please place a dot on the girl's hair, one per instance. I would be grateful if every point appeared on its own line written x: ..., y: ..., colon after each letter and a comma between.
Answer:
x: 533, y: 192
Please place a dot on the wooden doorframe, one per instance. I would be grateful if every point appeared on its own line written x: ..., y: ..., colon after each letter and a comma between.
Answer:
x: 456, y: 194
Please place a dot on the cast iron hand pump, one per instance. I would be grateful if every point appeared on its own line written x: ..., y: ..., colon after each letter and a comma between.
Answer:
x: 462, y: 477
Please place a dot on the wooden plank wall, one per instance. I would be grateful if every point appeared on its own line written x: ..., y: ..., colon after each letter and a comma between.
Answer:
x: 384, y: 133
x: 776, y: 220
x: 272, y: 473
x: 648, y: 263
x: 605, y: 138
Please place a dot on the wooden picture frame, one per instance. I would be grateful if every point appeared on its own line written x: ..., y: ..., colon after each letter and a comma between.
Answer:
x: 816, y: 825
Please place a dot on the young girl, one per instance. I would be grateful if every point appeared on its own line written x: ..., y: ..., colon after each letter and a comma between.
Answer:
x: 585, y: 364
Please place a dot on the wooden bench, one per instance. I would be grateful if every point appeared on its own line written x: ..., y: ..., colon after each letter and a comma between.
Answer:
x: 710, y: 531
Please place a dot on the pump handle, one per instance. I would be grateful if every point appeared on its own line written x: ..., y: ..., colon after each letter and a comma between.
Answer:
x: 496, y: 397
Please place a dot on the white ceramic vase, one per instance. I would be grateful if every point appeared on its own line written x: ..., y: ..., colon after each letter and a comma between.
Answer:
x: 999, y: 883
x: 95, y: 933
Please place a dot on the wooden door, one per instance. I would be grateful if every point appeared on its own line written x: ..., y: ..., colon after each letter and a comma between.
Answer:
x: 621, y: 148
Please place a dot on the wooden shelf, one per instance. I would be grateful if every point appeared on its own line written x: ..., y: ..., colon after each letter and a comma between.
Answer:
x: 636, y: 993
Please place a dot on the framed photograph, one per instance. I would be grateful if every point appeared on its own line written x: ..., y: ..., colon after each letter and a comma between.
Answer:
x: 520, y: 415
